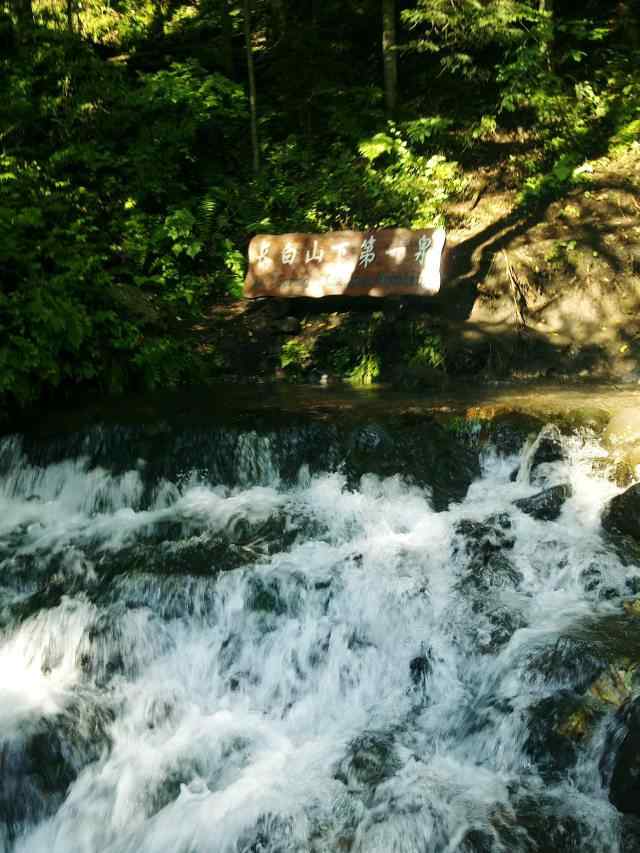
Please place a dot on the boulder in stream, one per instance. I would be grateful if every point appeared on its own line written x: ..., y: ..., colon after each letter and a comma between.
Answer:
x: 546, y: 505
x: 420, y: 450
x: 483, y: 544
x: 370, y: 760
x: 549, y: 450
x: 623, y: 759
x: 622, y: 513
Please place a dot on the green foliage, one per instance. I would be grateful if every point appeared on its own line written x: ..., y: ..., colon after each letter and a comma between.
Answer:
x: 378, y: 145
x: 366, y: 371
x: 86, y: 218
x: 429, y: 353
x: 626, y: 136
x: 164, y: 362
x: 126, y: 194
x: 459, y: 31
x: 295, y: 356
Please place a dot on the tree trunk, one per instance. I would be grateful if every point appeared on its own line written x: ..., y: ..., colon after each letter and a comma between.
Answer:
x: 69, y: 11
x: 227, y: 39
x: 252, y: 86
x: 389, y: 55
x: 545, y: 7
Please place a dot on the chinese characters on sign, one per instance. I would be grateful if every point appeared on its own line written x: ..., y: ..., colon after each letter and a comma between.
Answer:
x: 376, y: 263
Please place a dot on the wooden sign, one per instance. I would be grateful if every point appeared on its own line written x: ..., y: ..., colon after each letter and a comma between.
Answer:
x: 391, y: 262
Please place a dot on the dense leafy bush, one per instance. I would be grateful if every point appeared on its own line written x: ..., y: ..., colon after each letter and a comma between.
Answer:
x: 108, y: 225
x: 127, y: 197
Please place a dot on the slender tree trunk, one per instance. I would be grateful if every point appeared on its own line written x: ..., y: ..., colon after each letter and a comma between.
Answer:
x: 279, y: 14
x: 546, y: 7
x: 252, y: 86
x: 227, y: 39
x: 69, y: 11
x: 389, y: 55
x: 628, y: 25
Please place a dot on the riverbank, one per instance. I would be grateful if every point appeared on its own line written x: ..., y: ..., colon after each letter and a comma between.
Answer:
x: 548, y: 292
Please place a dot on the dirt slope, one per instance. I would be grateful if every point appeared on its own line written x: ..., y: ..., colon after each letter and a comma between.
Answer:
x: 550, y: 292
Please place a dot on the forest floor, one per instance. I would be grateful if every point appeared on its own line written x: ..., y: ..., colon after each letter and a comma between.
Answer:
x: 547, y: 292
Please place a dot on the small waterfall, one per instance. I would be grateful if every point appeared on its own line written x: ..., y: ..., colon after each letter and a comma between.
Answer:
x: 305, y: 639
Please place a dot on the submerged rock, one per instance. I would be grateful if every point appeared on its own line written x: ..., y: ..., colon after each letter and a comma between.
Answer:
x: 571, y: 663
x: 42, y: 758
x: 622, y: 513
x: 546, y: 505
x: 420, y: 669
x: 503, y: 623
x: 483, y: 544
x: 534, y: 823
x: 370, y: 760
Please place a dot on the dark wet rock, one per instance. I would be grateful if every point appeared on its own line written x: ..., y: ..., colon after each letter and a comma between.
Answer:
x: 265, y: 596
x: 612, y: 638
x: 275, y: 595
x: 548, y: 451
x: 47, y: 597
x: 622, y: 513
x: 543, y: 826
x: 483, y: 540
x: 622, y: 755
x: 503, y: 623
x: 497, y: 572
x: 42, y: 758
x: 483, y: 544
x: 34, y: 776
x: 509, y: 431
x: 420, y: 668
x: 557, y: 726
x: 571, y: 663
x: 111, y: 646
x: 629, y: 834
x: 535, y: 823
x: 594, y: 580
x: 591, y: 578
x: 370, y: 760
x: 422, y: 452
x: 546, y: 505
x: 479, y: 841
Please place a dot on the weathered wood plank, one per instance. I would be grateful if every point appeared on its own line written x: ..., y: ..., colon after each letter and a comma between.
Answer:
x: 389, y: 262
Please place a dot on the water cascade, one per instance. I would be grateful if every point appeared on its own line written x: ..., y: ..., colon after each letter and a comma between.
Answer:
x: 309, y: 638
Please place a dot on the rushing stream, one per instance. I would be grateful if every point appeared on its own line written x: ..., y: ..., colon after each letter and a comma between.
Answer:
x: 218, y: 639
